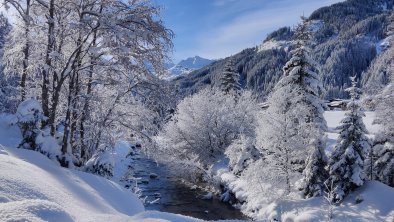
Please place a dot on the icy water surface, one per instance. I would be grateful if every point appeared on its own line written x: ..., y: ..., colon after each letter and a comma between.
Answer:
x: 176, y: 197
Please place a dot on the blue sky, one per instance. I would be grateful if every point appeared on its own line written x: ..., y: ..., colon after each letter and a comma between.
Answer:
x: 219, y: 28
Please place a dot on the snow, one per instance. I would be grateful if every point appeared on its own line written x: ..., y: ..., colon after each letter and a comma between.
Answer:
x: 384, y: 44
x: 48, y: 144
x: 273, y: 44
x: 333, y: 119
x: 28, y: 110
x: 121, y: 162
x: 315, y: 25
x: 160, y: 216
x: 187, y: 65
x: 34, y: 188
x: 29, y: 178
x: 376, y: 205
x: 371, y: 202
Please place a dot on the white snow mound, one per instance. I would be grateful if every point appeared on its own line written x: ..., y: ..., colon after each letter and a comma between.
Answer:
x: 32, y: 186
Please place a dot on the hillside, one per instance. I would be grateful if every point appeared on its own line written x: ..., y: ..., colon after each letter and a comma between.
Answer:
x: 34, y: 188
x: 187, y: 66
x: 348, y: 36
x: 376, y: 198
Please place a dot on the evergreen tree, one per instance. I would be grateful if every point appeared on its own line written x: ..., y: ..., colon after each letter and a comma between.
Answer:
x: 302, y: 68
x: 383, y: 150
x: 315, y: 173
x: 230, y: 79
x: 346, y: 165
x: 300, y: 73
x: 294, y: 124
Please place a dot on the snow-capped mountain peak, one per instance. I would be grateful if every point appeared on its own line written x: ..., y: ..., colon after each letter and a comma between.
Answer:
x: 188, y: 65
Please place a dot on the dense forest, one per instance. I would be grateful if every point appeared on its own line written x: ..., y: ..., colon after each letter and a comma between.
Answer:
x: 347, y: 38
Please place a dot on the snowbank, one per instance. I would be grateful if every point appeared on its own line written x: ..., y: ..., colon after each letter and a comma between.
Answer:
x: 377, y: 205
x: 34, y: 188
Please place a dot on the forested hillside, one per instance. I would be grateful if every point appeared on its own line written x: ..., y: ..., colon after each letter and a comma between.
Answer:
x: 83, y: 86
x: 348, y: 37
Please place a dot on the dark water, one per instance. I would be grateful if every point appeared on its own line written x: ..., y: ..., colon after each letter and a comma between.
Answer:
x: 176, y: 197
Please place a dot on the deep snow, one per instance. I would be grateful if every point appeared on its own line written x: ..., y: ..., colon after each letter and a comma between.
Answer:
x: 35, y: 188
x: 377, y: 204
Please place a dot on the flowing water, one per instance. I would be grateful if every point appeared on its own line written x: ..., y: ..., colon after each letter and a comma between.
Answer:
x: 168, y: 194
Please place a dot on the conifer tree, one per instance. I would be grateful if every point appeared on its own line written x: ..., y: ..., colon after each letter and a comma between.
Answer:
x: 293, y: 124
x: 303, y: 70
x: 346, y: 165
x: 230, y: 79
x: 315, y: 173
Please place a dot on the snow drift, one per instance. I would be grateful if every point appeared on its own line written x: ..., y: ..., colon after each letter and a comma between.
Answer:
x: 34, y: 188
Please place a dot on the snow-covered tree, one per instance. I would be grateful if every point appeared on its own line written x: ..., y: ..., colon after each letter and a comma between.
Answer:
x: 293, y: 125
x: 241, y: 153
x: 29, y: 115
x: 101, y: 163
x: 346, y: 165
x: 204, y: 125
x: 315, y: 173
x: 29, y: 118
x: 8, y: 84
x: 77, y: 56
x: 383, y: 149
x: 230, y: 79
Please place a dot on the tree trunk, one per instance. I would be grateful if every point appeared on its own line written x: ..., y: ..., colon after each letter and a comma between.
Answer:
x: 25, y: 52
x: 67, y: 121
x: 48, y: 60
x: 85, y: 110
x: 85, y: 155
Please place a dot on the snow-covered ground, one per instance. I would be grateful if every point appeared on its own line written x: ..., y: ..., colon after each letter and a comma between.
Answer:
x: 34, y: 188
x: 273, y: 44
x: 377, y: 199
x: 334, y: 118
x: 377, y: 205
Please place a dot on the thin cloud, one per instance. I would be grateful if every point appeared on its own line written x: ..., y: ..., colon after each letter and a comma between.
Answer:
x: 251, y: 28
x: 222, y: 2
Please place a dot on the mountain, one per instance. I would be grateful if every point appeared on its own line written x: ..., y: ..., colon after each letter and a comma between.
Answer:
x: 188, y: 65
x: 348, y: 39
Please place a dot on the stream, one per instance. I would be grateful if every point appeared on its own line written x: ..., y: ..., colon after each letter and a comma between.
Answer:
x: 166, y: 193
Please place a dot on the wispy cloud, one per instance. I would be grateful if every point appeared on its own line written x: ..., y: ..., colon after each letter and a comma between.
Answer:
x: 249, y: 28
x: 223, y: 2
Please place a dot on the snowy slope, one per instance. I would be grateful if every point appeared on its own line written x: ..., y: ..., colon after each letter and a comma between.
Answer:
x: 377, y: 204
x: 34, y: 185
x: 188, y: 65
x: 34, y: 188
x: 334, y: 118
